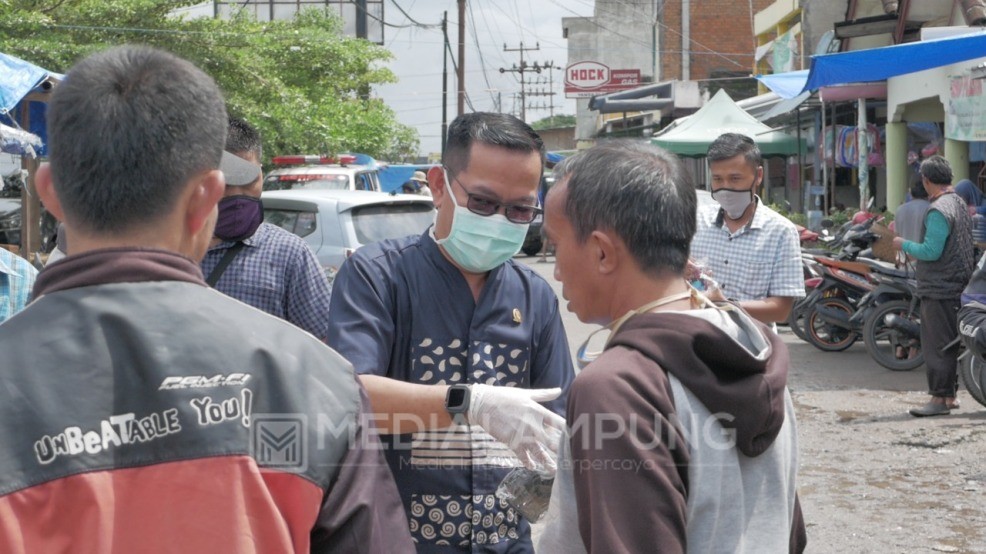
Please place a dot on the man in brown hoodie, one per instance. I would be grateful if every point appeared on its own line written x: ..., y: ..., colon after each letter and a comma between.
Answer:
x: 681, y: 433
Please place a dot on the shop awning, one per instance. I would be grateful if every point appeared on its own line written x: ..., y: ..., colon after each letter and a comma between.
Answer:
x: 786, y: 85
x: 878, y: 64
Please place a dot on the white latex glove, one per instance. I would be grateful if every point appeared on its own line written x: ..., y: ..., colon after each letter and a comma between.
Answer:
x: 513, y: 416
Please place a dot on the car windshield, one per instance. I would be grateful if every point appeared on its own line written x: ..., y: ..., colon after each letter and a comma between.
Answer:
x: 390, y: 221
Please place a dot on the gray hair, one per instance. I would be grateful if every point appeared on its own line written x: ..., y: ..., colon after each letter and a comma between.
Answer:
x: 128, y: 128
x: 640, y: 192
x: 494, y: 129
x: 730, y: 145
x: 936, y: 170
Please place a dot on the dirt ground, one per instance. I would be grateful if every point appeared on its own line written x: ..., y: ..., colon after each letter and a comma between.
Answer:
x: 875, y: 479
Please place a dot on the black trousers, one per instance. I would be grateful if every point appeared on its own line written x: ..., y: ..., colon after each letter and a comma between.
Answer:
x: 938, y: 328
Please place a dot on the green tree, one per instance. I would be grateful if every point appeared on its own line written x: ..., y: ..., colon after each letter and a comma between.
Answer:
x: 302, y: 83
x: 555, y: 121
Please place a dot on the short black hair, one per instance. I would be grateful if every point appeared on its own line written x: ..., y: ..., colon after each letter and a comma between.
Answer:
x: 730, y: 145
x: 127, y: 129
x: 639, y: 191
x: 494, y: 129
x: 917, y: 191
x: 243, y: 137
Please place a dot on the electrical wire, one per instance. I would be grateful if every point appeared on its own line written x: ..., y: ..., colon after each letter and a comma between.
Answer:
x: 479, y: 51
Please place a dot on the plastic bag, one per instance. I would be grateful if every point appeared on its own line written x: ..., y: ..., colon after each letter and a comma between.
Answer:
x: 527, y: 491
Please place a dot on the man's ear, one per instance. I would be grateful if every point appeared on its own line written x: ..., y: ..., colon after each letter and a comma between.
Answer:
x: 45, y: 188
x: 206, y: 191
x: 436, y: 182
x: 604, y: 252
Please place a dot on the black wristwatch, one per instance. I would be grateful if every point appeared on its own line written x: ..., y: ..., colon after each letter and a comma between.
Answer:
x: 457, y: 403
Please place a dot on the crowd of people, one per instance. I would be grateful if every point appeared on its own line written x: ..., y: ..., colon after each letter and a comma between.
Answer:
x: 195, y: 384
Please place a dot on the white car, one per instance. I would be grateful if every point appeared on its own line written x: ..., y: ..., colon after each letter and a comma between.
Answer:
x: 321, y: 173
x: 335, y: 223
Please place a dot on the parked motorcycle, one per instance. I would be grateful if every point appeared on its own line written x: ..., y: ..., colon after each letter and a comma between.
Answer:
x: 892, y: 321
x: 831, y: 305
x: 826, y: 310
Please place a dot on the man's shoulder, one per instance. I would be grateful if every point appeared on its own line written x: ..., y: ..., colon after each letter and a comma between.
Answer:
x: 389, y: 251
x: 616, y: 374
x: 773, y: 219
x: 530, y: 278
x: 16, y: 264
x: 277, y: 237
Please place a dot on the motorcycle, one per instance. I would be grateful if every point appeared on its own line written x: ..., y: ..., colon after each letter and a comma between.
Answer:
x: 822, y: 317
x: 831, y: 305
x: 892, y: 321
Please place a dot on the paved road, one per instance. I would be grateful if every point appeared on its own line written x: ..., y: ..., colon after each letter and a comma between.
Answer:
x: 871, y: 477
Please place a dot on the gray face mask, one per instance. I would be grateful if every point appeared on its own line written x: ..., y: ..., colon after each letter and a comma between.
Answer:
x: 733, y: 202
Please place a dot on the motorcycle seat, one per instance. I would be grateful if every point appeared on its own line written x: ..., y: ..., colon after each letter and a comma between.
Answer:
x: 884, y: 268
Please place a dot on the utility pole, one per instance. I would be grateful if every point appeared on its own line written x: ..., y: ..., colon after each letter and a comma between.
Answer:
x: 445, y: 49
x: 521, y: 70
x: 462, y: 57
x: 550, y: 93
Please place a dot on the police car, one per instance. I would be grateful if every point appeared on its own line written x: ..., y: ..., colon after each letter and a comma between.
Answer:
x: 321, y: 173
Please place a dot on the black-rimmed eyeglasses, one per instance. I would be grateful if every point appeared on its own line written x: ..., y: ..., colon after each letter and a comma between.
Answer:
x: 484, y: 206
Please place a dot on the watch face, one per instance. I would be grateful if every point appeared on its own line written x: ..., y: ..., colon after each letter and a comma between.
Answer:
x: 456, y: 398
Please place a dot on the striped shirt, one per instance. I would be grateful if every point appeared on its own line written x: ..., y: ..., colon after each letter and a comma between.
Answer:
x: 16, y: 280
x: 278, y: 273
x: 760, y: 260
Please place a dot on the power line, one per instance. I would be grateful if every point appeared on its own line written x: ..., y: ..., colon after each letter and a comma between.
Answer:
x: 479, y: 51
x: 412, y: 20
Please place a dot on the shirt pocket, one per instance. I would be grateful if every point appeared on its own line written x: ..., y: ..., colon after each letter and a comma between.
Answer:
x: 754, y: 279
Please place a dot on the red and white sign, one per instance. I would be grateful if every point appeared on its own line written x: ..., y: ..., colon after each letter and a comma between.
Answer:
x: 584, y: 79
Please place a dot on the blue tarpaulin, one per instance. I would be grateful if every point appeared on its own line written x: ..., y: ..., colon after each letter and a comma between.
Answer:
x: 786, y: 85
x: 878, y: 64
x: 19, y: 78
x: 395, y: 175
x: 18, y: 142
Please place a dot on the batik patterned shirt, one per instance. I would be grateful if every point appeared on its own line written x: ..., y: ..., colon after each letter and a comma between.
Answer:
x: 400, y: 309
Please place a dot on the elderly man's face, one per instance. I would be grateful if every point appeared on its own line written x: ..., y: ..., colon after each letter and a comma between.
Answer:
x: 572, y: 258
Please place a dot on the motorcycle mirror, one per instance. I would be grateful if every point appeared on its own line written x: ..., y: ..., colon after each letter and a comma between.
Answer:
x: 827, y: 223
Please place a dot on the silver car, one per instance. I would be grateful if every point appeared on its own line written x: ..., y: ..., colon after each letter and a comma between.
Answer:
x: 335, y: 223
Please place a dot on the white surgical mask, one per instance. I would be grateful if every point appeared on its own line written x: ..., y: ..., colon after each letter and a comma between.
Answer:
x: 733, y: 202
x: 479, y: 243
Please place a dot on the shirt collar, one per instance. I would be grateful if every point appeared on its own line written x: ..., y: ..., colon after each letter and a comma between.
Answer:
x: 116, y: 265
x: 757, y: 222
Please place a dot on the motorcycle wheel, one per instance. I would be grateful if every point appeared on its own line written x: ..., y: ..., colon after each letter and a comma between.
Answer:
x: 882, y: 341
x: 972, y: 370
x: 796, y: 321
x: 825, y: 336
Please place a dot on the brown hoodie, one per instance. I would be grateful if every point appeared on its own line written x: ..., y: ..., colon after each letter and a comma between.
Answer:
x: 653, y: 422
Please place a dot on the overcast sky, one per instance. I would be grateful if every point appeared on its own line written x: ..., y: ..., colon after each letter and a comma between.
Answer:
x: 417, y: 97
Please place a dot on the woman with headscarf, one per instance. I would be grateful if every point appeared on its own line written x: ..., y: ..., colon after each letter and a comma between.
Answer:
x: 972, y: 195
